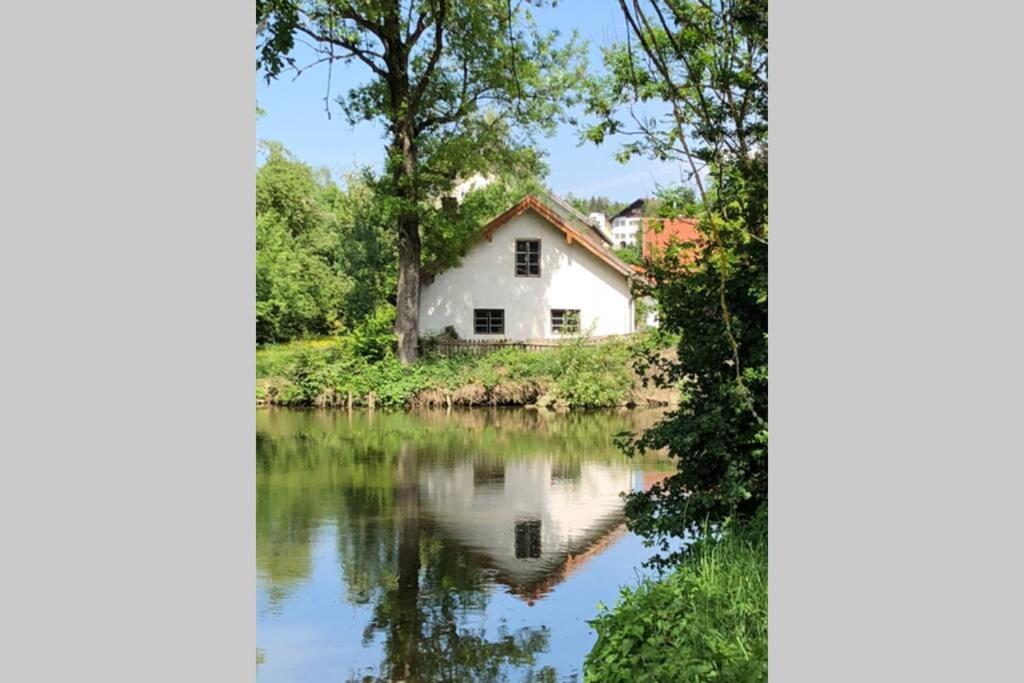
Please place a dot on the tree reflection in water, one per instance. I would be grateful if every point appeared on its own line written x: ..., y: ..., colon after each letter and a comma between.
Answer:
x: 427, y: 589
x: 436, y: 587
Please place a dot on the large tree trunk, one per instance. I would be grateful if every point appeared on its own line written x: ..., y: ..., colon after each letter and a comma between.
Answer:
x: 407, y: 300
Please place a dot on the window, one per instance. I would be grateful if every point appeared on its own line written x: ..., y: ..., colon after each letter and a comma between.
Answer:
x: 565, y: 321
x: 485, y: 473
x: 527, y: 258
x: 527, y: 535
x: 488, y: 321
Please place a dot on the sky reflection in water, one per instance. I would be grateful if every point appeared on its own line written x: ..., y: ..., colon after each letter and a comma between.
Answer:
x: 439, y: 547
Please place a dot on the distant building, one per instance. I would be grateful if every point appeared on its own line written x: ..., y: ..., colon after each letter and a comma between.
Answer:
x: 601, y: 222
x: 661, y: 233
x: 626, y: 224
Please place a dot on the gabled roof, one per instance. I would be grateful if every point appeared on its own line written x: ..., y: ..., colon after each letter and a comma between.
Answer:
x: 634, y: 209
x: 569, y: 212
x: 586, y: 234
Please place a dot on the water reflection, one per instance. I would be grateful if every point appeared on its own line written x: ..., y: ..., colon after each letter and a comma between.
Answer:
x: 436, y: 547
x: 527, y: 519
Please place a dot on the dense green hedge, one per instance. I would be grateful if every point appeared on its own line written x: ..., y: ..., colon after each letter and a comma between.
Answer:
x: 706, y: 621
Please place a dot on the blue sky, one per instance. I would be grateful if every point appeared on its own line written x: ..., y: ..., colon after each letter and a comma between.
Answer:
x: 295, y: 116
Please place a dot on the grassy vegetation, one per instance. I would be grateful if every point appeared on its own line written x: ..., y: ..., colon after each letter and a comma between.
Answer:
x: 361, y: 369
x: 708, y: 620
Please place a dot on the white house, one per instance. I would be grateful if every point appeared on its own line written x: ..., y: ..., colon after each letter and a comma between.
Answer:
x: 540, y: 270
x: 626, y: 224
x: 600, y: 221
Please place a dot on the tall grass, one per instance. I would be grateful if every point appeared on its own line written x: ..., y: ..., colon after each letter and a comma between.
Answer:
x: 706, y: 621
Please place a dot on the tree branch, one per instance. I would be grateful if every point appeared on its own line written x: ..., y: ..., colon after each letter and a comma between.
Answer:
x: 435, y: 55
x: 362, y: 54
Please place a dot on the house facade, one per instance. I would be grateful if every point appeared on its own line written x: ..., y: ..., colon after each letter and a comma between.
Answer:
x: 539, y: 271
x: 627, y: 223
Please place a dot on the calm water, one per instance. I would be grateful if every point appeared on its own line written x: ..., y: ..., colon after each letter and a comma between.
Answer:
x: 471, y: 546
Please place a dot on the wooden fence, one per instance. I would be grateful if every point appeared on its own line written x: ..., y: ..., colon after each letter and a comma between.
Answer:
x: 480, y: 347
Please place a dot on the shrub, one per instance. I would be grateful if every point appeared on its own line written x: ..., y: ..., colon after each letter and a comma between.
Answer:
x: 707, y: 621
x: 309, y: 374
x: 326, y: 371
x: 593, y: 375
x: 374, y: 338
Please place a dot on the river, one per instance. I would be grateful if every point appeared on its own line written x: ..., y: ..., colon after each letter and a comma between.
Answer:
x: 461, y: 546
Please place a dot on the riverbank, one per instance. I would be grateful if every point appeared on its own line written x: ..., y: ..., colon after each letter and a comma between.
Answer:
x: 707, y: 620
x: 577, y: 374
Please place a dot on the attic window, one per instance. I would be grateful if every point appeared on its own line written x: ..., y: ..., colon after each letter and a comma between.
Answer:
x: 527, y: 258
x: 565, y: 321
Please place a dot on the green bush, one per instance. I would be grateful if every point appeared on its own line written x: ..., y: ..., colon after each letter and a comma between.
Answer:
x: 309, y: 374
x: 706, y: 621
x: 362, y: 364
x: 374, y: 338
x: 593, y: 375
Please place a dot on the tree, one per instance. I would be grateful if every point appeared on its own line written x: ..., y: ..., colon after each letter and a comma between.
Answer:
x: 446, y: 78
x: 674, y: 201
x: 299, y: 289
x: 325, y: 260
x: 708, y: 60
x: 595, y: 204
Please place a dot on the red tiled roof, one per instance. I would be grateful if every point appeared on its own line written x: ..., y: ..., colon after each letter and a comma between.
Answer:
x: 660, y: 233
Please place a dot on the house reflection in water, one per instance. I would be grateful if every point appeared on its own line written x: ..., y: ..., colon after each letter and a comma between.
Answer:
x: 532, y: 522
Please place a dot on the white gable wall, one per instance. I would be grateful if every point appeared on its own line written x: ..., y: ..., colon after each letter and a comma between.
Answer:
x: 571, y: 278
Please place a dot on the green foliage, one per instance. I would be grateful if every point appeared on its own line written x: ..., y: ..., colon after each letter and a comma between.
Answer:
x: 706, y: 621
x: 309, y: 374
x: 630, y: 255
x: 299, y: 290
x: 718, y: 433
x: 673, y: 201
x: 374, y: 339
x: 326, y: 371
x: 586, y: 378
x: 314, y: 242
x: 461, y: 87
x: 708, y: 61
x: 366, y: 250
